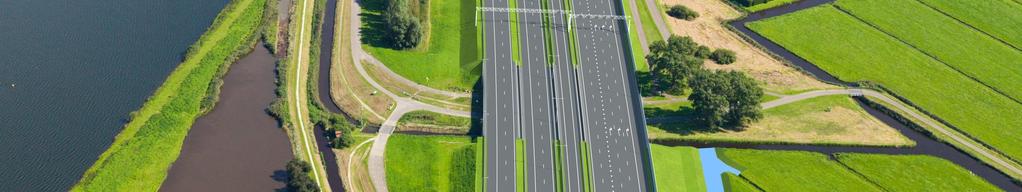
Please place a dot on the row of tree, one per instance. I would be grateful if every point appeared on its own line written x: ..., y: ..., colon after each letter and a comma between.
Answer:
x: 298, y: 177
x: 721, y: 99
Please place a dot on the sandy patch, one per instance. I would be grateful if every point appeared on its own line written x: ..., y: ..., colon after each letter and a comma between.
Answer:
x: 708, y: 30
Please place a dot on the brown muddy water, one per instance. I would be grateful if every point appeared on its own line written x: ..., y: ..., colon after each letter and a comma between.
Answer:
x: 237, y: 146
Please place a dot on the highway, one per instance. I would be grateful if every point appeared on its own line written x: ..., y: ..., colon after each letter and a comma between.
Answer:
x: 501, y: 110
x: 566, y: 96
x: 616, y: 131
x: 536, y: 96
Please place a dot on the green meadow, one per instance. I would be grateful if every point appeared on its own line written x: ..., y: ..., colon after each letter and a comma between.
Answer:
x: 430, y: 163
x: 963, y: 48
x: 854, y: 51
x: 794, y: 171
x: 999, y: 18
x: 914, y: 172
x: 447, y: 59
x: 142, y: 153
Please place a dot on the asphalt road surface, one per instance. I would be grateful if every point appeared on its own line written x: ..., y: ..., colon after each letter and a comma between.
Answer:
x: 616, y: 133
x: 566, y: 97
x: 501, y: 109
x: 537, y: 100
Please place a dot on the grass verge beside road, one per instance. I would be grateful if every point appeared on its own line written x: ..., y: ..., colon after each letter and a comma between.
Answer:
x: 633, y: 36
x: 431, y: 163
x: 935, y: 88
x: 447, y: 59
x: 433, y: 122
x: 677, y: 168
x: 648, y: 25
x: 142, y: 153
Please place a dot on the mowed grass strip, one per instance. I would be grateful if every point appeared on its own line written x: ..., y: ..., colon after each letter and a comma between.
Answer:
x: 914, y: 172
x: 794, y: 171
x: 430, y: 163
x: 677, y: 168
x: 970, y: 51
x: 999, y: 18
x: 448, y: 59
x: 853, y: 51
x: 638, y: 56
x: 648, y: 25
x: 142, y: 153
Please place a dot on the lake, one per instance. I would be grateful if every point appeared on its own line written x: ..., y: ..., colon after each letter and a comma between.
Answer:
x: 72, y: 71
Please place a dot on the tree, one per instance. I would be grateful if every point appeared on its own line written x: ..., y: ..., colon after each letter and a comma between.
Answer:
x: 723, y: 56
x: 298, y: 176
x: 682, y: 12
x: 405, y: 30
x: 725, y: 99
x: 672, y: 63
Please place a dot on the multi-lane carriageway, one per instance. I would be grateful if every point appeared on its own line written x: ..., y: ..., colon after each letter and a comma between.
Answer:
x: 554, y: 104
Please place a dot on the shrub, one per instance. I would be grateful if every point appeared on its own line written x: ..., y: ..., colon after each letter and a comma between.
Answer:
x: 405, y: 30
x: 682, y: 12
x: 702, y: 52
x: 298, y: 177
x: 723, y: 56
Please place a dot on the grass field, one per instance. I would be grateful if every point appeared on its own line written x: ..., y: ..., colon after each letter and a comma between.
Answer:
x: 914, y: 172
x: 677, y: 168
x: 833, y: 119
x: 970, y: 51
x: 999, y: 18
x: 794, y: 171
x: 768, y: 5
x: 449, y: 60
x: 734, y: 183
x: 142, y: 153
x: 839, y: 44
x: 430, y: 163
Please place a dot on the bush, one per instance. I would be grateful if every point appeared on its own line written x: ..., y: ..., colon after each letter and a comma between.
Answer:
x: 682, y: 12
x: 405, y: 30
x: 702, y: 52
x: 298, y: 177
x: 723, y: 56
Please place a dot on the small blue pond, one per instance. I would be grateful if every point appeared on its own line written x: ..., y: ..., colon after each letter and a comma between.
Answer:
x: 713, y: 168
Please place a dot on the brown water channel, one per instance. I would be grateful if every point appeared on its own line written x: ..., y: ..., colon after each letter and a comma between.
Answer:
x: 925, y: 144
x: 237, y: 146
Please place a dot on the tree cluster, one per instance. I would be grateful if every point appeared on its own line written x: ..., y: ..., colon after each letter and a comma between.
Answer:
x: 673, y: 62
x: 337, y: 123
x: 404, y: 28
x: 298, y: 177
x: 725, y: 99
x: 682, y: 12
x: 720, y: 99
x: 748, y: 3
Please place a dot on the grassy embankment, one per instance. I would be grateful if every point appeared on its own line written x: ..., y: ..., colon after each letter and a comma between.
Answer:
x: 443, y: 60
x: 431, y: 163
x: 914, y: 172
x: 142, y: 153
x: 648, y: 25
x: 809, y: 171
x: 735, y: 183
x: 677, y: 168
x: 433, y: 122
x: 961, y: 47
x: 831, y: 120
x: 352, y: 93
x: 932, y: 86
x: 633, y: 37
x: 999, y: 18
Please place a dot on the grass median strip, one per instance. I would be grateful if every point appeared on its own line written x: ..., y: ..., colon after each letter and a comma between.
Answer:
x: 142, y: 153
x: 586, y: 175
x: 515, y: 47
x: 520, y: 166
